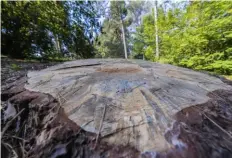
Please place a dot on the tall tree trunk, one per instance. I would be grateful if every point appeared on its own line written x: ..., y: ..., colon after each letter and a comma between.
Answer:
x: 124, y: 39
x: 156, y: 30
x: 57, y: 44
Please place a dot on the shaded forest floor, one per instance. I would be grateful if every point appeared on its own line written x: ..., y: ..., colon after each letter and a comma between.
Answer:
x: 205, y: 129
x: 12, y: 69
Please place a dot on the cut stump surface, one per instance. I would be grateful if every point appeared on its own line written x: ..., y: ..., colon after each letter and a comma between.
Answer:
x: 141, y: 98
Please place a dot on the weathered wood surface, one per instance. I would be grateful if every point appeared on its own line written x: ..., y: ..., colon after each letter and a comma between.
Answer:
x: 140, y: 97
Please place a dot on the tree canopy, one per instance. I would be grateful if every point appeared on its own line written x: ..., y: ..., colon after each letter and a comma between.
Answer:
x: 110, y: 42
x: 48, y: 29
x: 195, y: 35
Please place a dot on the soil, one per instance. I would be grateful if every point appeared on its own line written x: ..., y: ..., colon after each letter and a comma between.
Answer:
x: 44, y: 130
x: 205, y: 129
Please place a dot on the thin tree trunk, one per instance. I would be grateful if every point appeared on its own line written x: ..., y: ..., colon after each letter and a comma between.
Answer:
x: 124, y: 39
x: 57, y: 44
x: 156, y: 31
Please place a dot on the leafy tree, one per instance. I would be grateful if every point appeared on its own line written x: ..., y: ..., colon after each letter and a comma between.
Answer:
x: 47, y: 29
x: 195, y: 35
x: 118, y: 13
x: 136, y: 9
x: 114, y: 33
x: 109, y: 43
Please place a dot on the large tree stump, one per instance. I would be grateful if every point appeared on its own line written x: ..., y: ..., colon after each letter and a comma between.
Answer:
x: 143, y: 100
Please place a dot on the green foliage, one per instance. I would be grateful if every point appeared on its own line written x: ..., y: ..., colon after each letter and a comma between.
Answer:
x: 149, y: 53
x: 118, y: 10
x: 109, y: 43
x: 47, y: 29
x: 229, y: 77
x: 15, y: 67
x: 197, y: 36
